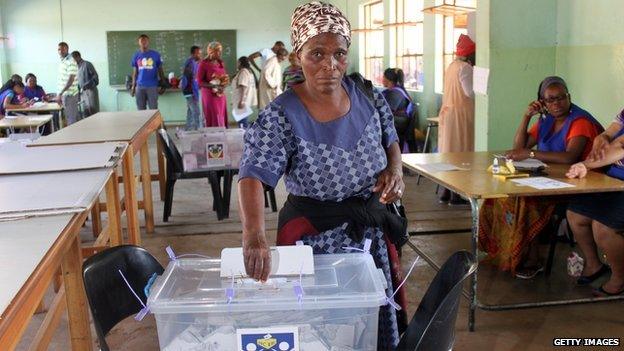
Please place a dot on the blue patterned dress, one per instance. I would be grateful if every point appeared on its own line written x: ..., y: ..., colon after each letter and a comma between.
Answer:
x: 328, y: 161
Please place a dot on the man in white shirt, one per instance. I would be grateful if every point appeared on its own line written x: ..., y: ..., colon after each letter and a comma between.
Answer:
x: 270, y: 85
x: 265, y: 54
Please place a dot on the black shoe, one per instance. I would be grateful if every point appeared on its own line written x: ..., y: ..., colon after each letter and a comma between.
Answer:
x: 457, y: 200
x: 588, y: 279
x: 445, y: 196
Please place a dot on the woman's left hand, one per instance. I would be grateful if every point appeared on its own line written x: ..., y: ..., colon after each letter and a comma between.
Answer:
x: 577, y: 170
x: 390, y: 183
x: 518, y: 155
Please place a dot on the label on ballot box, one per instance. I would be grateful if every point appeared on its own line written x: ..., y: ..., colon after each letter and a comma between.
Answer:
x: 211, y: 148
x: 276, y: 338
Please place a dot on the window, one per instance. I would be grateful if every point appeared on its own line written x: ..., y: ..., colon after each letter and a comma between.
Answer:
x: 373, y: 41
x: 448, y: 30
x: 409, y: 41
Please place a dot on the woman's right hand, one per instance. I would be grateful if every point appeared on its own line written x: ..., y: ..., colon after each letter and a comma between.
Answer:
x: 599, y: 148
x: 534, y: 108
x: 257, y: 257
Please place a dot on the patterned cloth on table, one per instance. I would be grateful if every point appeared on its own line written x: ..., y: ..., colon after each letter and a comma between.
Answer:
x: 328, y: 161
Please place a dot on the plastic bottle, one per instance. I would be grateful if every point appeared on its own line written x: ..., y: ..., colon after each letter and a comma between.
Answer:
x: 495, y: 167
x: 575, y: 265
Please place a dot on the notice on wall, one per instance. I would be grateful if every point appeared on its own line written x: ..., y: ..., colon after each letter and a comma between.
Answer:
x: 480, y: 78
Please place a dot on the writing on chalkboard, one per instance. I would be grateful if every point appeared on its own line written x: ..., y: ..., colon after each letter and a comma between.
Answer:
x: 173, y: 46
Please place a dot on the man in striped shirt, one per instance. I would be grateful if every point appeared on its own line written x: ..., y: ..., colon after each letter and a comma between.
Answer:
x: 67, y: 84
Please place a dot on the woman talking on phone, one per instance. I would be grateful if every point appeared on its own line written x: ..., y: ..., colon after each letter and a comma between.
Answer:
x: 564, y: 134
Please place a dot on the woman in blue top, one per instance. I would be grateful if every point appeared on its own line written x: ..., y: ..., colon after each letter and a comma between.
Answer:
x: 596, y: 219
x: 335, y: 146
x: 32, y: 91
x: 402, y: 107
x: 9, y: 97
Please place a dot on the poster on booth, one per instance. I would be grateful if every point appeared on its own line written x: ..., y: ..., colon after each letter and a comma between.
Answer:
x: 215, y: 154
x: 268, y: 339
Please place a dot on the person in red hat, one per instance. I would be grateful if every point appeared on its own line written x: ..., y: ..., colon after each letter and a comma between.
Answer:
x: 456, y: 129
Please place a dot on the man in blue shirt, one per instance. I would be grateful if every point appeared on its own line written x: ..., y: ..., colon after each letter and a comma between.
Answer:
x: 190, y: 89
x: 147, y: 73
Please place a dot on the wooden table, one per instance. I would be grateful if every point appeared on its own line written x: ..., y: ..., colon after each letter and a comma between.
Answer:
x: 133, y: 127
x: 31, y: 252
x: 45, y: 107
x: 476, y: 184
x: 24, y: 121
x: 34, y: 248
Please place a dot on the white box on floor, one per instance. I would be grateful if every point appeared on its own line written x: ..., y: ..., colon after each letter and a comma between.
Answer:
x: 338, y: 309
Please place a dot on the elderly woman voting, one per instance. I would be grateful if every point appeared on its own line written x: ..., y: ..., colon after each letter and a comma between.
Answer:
x: 337, y: 150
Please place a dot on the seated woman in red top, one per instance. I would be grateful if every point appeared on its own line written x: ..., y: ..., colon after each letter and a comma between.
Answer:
x: 563, y: 134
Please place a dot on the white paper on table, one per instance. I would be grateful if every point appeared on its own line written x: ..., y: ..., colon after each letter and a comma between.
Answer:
x: 438, y: 167
x: 480, y: 78
x: 285, y: 260
x: 529, y: 163
x: 542, y: 183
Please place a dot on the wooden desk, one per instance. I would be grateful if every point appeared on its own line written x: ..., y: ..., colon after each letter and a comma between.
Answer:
x: 25, y: 121
x: 45, y: 107
x: 476, y: 184
x: 31, y: 250
x: 133, y: 127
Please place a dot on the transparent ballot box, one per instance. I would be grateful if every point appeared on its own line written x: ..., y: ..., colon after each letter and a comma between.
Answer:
x: 211, y: 148
x: 336, y: 308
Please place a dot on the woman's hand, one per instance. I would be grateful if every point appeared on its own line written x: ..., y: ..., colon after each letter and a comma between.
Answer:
x: 577, y: 170
x: 390, y: 183
x: 257, y: 257
x: 241, y: 105
x: 599, y: 148
x: 534, y: 108
x: 518, y: 155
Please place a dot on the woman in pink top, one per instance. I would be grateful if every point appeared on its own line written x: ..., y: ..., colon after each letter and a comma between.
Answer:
x: 213, y: 79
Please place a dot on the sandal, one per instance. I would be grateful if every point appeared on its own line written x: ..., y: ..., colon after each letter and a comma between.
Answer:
x: 601, y: 292
x: 529, y: 272
x: 588, y: 279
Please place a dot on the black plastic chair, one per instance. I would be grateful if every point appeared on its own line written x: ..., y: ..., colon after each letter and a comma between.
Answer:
x: 221, y: 194
x: 109, y: 297
x: 432, y: 327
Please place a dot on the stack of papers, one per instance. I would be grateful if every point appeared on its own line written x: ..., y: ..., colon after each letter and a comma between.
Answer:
x: 438, y: 167
x: 542, y: 183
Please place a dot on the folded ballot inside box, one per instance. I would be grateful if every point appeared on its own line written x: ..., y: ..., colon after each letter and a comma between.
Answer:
x: 334, y: 308
x: 211, y: 148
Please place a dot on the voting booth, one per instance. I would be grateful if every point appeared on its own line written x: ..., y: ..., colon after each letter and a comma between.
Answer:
x: 198, y: 307
x: 211, y: 148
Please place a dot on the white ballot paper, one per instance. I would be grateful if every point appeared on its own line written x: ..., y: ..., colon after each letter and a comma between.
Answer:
x: 438, y: 167
x: 285, y: 260
x: 542, y: 183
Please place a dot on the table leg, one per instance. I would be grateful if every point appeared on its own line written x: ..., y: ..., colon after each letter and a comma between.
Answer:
x: 146, y: 181
x: 474, y: 208
x: 131, y: 203
x: 162, y: 171
x: 113, y: 210
x: 77, y: 310
x: 424, y: 150
x: 95, y: 218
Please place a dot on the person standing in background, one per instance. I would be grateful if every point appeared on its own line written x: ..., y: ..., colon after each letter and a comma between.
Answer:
x: 244, y: 92
x: 147, y: 73
x: 190, y: 89
x: 67, y: 85
x: 456, y: 129
x: 293, y: 74
x: 212, y: 79
x: 265, y: 54
x: 87, y: 82
x: 271, y: 78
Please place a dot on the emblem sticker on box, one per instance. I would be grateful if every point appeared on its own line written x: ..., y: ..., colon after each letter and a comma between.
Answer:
x: 268, y: 339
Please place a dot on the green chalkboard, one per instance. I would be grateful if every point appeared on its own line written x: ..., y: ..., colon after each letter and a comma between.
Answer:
x: 173, y: 45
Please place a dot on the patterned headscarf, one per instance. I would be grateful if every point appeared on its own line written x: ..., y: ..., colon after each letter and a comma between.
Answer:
x: 212, y: 47
x: 314, y: 18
